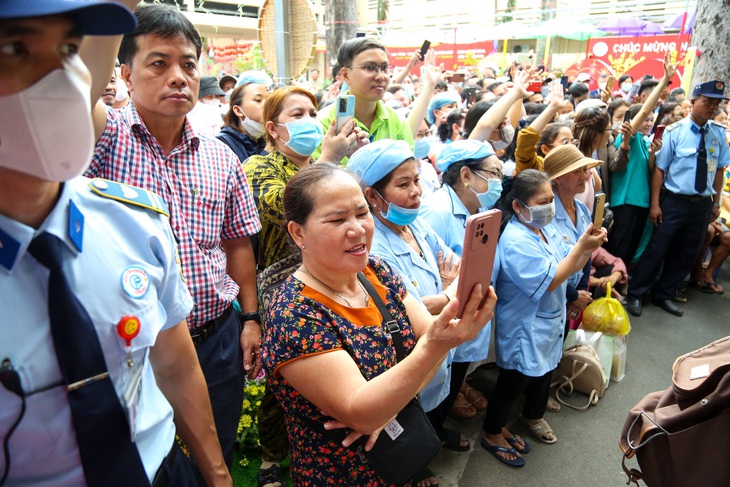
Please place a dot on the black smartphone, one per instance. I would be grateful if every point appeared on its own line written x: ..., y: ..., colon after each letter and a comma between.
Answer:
x: 424, y: 49
x: 470, y: 95
x: 627, y: 115
x: 564, y: 82
x: 648, y: 76
x: 359, y: 34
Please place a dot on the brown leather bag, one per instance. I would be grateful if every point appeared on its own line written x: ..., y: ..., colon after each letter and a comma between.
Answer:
x: 681, y: 436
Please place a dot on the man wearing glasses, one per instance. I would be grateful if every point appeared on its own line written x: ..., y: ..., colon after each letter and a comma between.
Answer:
x: 366, y: 71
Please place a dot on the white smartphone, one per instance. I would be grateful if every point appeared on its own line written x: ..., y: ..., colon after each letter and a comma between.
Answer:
x: 477, y: 257
x: 345, y: 110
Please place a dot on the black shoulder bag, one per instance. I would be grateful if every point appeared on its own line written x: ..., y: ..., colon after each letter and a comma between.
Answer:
x: 408, y: 443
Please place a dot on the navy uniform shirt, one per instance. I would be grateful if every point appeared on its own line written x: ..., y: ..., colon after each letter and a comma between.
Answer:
x: 678, y: 156
x: 120, y: 259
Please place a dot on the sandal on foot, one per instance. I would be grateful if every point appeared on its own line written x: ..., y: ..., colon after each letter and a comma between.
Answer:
x: 270, y: 477
x: 454, y: 441
x: 474, y: 397
x: 424, y: 474
x: 496, y: 450
x: 462, y: 408
x: 708, y: 287
x: 540, y: 429
x: 552, y: 405
x: 515, y: 442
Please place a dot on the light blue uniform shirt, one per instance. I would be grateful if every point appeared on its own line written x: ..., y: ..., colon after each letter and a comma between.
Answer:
x: 120, y: 260
x: 678, y: 156
x: 570, y: 233
x: 422, y: 279
x: 529, y: 318
x: 447, y: 215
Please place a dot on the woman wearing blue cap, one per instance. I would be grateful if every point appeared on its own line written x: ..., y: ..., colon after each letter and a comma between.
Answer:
x: 472, y: 177
x: 389, y: 176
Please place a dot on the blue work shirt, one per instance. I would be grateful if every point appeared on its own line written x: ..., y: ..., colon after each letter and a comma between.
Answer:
x: 678, y: 156
x: 447, y: 215
x: 529, y: 318
x: 570, y: 233
x: 119, y: 260
x: 422, y: 278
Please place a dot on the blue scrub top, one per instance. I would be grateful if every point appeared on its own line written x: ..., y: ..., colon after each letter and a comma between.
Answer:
x: 570, y: 233
x: 446, y: 214
x: 678, y: 156
x: 422, y: 279
x: 529, y: 318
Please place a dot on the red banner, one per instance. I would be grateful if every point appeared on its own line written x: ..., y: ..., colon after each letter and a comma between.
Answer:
x: 638, y: 56
x: 451, y: 55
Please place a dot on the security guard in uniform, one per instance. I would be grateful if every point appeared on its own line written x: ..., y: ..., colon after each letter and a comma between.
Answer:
x: 685, y: 197
x: 95, y: 356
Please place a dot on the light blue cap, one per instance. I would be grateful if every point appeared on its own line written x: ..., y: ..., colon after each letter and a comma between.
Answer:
x: 463, y: 150
x: 376, y: 160
x: 253, y: 76
x: 438, y: 101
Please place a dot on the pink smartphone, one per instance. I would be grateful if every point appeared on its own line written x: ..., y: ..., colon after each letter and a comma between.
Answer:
x: 477, y: 257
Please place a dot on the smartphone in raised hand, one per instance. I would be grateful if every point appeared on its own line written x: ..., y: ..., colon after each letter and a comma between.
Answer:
x: 424, y: 49
x: 599, y: 206
x: 477, y: 258
x: 345, y: 110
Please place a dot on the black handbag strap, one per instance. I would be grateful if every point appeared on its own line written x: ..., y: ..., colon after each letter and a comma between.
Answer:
x: 391, y: 325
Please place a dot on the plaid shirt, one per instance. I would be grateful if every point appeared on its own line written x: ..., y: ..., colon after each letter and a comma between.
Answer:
x: 205, y: 189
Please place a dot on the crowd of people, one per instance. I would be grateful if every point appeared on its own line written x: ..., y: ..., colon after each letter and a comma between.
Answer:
x: 131, y: 236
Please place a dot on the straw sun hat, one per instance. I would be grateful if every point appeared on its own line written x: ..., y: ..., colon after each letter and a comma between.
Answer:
x: 566, y: 158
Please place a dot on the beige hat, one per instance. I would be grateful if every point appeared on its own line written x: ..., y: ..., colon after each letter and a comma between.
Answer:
x: 564, y: 159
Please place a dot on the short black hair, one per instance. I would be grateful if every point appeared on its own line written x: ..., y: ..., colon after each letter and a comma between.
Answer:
x: 494, y: 85
x: 624, y: 77
x: 160, y: 20
x: 352, y: 47
x: 647, y: 85
x: 576, y: 90
x: 677, y: 91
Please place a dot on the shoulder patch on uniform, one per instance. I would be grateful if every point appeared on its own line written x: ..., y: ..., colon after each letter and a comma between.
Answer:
x: 712, y: 122
x: 673, y: 126
x: 129, y: 194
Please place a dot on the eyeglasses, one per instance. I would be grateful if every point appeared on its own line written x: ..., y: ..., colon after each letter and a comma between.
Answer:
x: 496, y: 174
x: 373, y: 69
x: 421, y: 135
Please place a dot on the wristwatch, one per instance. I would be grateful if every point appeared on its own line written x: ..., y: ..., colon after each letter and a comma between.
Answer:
x: 718, y: 205
x: 244, y: 317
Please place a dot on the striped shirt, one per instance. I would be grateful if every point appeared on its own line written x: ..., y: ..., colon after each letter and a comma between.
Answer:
x: 205, y: 189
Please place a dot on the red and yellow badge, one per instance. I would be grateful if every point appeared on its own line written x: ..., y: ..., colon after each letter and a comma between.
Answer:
x: 128, y: 328
x: 720, y: 85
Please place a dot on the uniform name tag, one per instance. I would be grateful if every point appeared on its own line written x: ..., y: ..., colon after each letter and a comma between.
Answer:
x: 711, y: 164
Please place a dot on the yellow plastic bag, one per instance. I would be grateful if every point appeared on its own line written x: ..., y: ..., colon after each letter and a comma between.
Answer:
x: 606, y: 315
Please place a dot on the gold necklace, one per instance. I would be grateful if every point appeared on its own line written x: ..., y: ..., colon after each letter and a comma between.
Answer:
x: 360, y: 286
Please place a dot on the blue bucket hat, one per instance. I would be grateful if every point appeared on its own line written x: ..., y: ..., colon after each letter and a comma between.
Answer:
x: 438, y: 101
x: 93, y: 18
x: 463, y: 150
x: 375, y: 161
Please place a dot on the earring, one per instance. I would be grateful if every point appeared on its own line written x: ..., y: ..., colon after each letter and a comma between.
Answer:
x: 304, y: 246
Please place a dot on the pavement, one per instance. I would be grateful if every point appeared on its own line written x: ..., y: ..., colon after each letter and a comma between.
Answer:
x: 587, y: 451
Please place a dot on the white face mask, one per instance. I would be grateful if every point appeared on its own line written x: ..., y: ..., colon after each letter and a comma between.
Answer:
x: 210, y: 101
x: 625, y: 87
x: 122, y: 92
x: 32, y: 139
x: 252, y: 127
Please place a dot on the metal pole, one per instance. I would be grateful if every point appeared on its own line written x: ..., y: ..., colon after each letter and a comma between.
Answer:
x: 281, y: 23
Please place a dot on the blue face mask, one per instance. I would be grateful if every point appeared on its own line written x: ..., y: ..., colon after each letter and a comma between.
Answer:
x: 422, y: 148
x: 399, y: 215
x: 305, y: 135
x: 487, y: 199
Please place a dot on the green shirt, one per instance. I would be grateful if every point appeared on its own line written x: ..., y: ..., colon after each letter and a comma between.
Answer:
x: 386, y: 125
x: 267, y: 175
x: 631, y: 187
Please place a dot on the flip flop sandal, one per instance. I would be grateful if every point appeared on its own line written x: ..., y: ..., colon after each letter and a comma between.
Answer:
x: 552, y: 405
x: 463, y: 408
x: 708, y: 287
x: 540, y: 429
x: 515, y: 442
x: 454, y: 441
x: 474, y: 397
x: 495, y: 450
x: 424, y: 474
x: 270, y: 476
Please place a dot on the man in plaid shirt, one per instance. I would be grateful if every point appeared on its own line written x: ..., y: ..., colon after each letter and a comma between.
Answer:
x: 151, y: 144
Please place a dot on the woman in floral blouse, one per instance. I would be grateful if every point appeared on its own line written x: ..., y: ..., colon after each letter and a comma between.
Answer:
x: 328, y: 358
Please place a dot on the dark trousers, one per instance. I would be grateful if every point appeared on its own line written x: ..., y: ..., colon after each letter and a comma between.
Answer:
x: 272, y: 428
x: 221, y: 359
x: 628, y: 227
x: 177, y: 470
x: 437, y: 416
x: 673, y: 246
x: 510, y: 384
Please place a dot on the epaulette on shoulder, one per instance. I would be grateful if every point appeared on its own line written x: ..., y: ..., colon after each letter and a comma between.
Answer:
x: 716, y: 124
x: 673, y: 126
x: 131, y: 195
